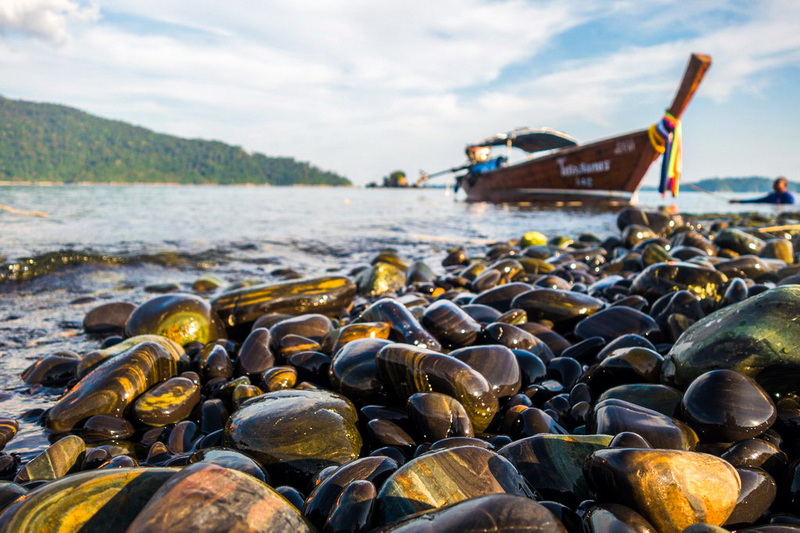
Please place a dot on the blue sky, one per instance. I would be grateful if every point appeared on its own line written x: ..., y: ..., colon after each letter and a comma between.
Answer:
x: 364, y: 88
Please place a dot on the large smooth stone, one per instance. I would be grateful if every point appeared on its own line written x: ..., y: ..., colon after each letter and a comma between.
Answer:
x: 756, y: 496
x: 657, y: 221
x: 311, y: 326
x: 353, y: 508
x: 531, y: 366
x: 758, y: 453
x: 9, y: 492
x: 403, y: 323
x: 105, y: 427
x: 436, y: 416
x: 108, y: 318
x: 55, y: 370
x: 683, y: 302
x: 95, y: 358
x: 90, y: 502
x: 420, y: 272
x: 496, y: 363
x: 55, y: 462
x: 481, y: 313
x: 657, y: 280
x: 214, y: 362
x: 493, y: 513
x: 726, y: 406
x: 444, y: 477
x: 111, y: 387
x: 634, y: 365
x: 500, y: 297
x: 746, y: 266
x: 693, y: 239
x: 532, y: 238
x: 169, y: 402
x: 450, y: 324
x: 654, y: 252
x: 279, y: 378
x: 379, y: 279
x: 327, y: 296
x: 615, y: 322
x: 209, y: 498
x: 322, y: 499
x: 509, y: 335
x: 561, y: 307
x: 553, y: 464
x: 615, y: 416
x: 778, y: 248
x: 555, y: 343
x: 387, y: 433
x: 455, y: 256
x: 8, y: 429
x: 406, y: 370
x: 530, y: 421
x: 182, y: 318
x: 340, y: 337
x: 354, y: 372
x: 291, y: 345
x: 255, y: 354
x: 296, y: 432
x: 661, y: 398
x: 671, y: 489
x: 759, y: 337
x: 739, y: 241
x: 487, y: 279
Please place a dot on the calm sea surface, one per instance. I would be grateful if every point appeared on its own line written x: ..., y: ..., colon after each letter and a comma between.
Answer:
x: 175, y: 234
x: 192, y: 219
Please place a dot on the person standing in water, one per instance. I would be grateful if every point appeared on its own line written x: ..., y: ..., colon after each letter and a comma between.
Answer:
x: 780, y: 194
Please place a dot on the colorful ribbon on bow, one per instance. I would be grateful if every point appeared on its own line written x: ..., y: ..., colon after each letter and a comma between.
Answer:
x: 666, y: 138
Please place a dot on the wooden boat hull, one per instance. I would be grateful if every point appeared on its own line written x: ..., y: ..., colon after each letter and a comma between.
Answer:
x: 605, y: 172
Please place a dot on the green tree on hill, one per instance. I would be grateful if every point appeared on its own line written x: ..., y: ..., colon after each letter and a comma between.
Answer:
x: 47, y: 142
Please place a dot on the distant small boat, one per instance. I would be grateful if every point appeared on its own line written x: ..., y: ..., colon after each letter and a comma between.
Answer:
x: 605, y: 172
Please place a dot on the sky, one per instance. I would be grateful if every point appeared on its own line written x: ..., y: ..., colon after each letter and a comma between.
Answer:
x: 364, y: 88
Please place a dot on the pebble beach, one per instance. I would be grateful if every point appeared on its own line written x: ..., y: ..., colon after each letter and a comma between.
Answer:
x: 639, y: 377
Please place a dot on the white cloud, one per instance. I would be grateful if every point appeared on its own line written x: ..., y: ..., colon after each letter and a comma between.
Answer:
x: 597, y: 89
x: 47, y: 19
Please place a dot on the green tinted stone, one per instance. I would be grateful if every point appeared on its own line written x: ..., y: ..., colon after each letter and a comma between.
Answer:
x: 183, y: 318
x: 759, y: 337
x: 55, y: 462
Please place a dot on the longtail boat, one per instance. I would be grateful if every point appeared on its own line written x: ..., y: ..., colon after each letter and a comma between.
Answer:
x: 605, y: 172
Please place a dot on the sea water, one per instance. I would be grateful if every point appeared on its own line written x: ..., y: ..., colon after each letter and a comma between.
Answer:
x: 146, y: 218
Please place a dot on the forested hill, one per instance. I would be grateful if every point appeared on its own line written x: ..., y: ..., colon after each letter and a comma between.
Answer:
x: 746, y: 184
x: 46, y: 142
